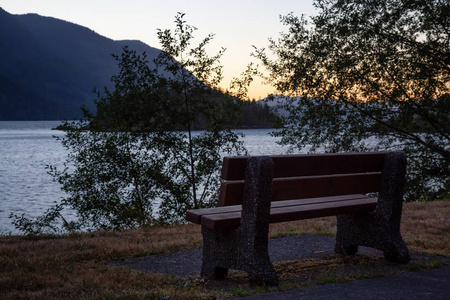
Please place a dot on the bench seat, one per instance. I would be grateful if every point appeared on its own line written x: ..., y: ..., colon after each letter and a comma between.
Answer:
x: 229, y: 217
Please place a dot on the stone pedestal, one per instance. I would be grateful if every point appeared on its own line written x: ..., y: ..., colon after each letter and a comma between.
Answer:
x: 245, y: 248
x: 379, y: 229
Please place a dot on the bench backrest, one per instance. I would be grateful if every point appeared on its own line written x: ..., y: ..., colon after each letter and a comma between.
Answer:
x: 307, y: 176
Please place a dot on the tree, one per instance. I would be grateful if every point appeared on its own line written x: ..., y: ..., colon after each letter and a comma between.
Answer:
x: 367, y: 71
x: 140, y: 152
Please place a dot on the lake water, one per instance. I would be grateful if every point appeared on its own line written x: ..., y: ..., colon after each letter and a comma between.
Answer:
x: 26, y: 147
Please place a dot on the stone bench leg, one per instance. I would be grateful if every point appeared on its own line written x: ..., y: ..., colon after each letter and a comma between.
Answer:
x: 219, y: 253
x: 245, y: 248
x: 381, y: 228
x: 233, y: 250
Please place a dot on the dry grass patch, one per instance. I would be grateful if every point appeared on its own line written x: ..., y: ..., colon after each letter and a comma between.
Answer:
x: 320, y: 226
x: 76, y: 267
x: 103, y: 245
x: 426, y: 227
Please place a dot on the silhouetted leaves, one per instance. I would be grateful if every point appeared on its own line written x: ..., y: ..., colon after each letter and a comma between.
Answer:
x: 369, y: 71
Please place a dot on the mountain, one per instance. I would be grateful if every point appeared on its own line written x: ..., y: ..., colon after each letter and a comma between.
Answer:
x: 49, y: 67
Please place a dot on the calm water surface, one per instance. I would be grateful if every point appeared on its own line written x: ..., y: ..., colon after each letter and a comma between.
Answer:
x: 27, y: 147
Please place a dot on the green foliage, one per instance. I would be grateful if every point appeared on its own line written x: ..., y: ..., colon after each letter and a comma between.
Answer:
x: 140, y: 162
x: 369, y: 71
x: 48, y: 222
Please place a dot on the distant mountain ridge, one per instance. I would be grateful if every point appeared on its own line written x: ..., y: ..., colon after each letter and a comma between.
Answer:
x: 49, y: 67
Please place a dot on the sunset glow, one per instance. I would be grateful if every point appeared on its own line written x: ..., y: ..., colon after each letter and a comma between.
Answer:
x: 237, y: 25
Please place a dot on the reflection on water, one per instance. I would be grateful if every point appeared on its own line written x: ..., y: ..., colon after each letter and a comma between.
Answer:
x: 26, y: 147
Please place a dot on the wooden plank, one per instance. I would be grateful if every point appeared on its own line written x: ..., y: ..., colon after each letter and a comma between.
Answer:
x: 232, y: 192
x: 226, y: 221
x: 292, y: 213
x: 322, y: 186
x: 196, y: 215
x: 319, y: 200
x: 233, y: 168
x: 231, y: 220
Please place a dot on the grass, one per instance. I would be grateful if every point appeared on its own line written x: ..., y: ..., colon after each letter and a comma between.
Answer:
x: 75, y: 266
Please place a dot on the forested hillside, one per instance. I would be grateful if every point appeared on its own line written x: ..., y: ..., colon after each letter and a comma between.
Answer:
x: 49, y: 67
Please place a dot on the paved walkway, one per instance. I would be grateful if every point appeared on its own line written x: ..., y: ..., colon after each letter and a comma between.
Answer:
x: 188, y: 263
x: 429, y: 284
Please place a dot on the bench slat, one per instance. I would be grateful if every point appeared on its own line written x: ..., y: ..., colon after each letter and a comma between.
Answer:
x: 231, y: 220
x: 233, y: 168
x: 232, y: 192
x: 195, y: 216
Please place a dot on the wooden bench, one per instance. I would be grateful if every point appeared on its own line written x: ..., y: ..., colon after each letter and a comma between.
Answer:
x: 260, y: 190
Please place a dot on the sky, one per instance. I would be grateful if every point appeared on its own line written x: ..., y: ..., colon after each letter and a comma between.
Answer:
x: 237, y: 24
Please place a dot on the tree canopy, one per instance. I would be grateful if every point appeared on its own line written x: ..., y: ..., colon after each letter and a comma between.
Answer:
x: 140, y: 162
x: 369, y: 75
